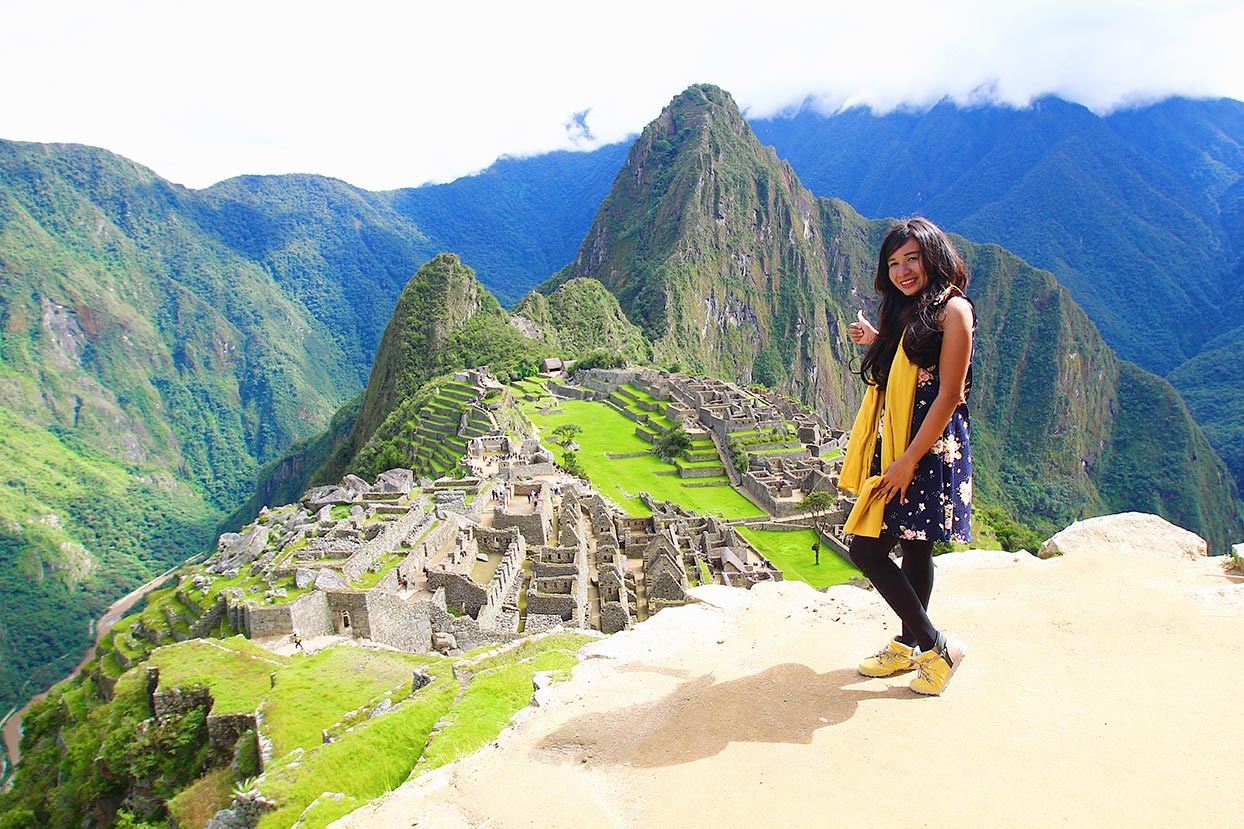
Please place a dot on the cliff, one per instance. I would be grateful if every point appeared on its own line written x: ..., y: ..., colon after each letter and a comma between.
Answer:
x: 1087, y: 698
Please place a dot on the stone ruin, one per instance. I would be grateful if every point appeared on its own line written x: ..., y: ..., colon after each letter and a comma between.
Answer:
x: 519, y: 546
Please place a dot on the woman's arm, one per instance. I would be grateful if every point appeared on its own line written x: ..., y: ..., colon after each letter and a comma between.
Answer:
x: 952, y: 367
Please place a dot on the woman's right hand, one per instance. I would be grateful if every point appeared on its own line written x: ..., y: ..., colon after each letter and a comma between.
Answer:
x: 861, y: 331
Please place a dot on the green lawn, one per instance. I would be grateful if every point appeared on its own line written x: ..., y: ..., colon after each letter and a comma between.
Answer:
x: 791, y: 551
x: 607, y: 430
x: 378, y: 754
x: 302, y: 703
x: 247, y: 668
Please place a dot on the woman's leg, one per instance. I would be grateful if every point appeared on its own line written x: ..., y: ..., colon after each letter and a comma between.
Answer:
x: 872, y: 556
x: 918, y: 568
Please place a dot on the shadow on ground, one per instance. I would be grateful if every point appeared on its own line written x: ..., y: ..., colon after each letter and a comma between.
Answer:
x: 783, y: 704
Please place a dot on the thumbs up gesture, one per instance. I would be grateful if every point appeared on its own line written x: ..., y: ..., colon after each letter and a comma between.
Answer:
x: 861, y: 331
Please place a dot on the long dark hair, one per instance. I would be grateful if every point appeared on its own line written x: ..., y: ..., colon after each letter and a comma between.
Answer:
x: 917, y: 315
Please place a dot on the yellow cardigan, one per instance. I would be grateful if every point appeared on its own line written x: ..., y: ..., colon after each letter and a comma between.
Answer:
x: 897, y: 400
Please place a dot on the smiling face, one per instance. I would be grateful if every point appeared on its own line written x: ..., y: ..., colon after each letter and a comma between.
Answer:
x: 906, y: 266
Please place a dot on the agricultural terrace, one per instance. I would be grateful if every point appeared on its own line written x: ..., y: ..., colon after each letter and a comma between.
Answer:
x: 321, y: 714
x: 607, y: 431
x: 791, y: 552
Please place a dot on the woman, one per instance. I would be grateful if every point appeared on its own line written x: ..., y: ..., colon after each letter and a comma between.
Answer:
x: 909, y: 457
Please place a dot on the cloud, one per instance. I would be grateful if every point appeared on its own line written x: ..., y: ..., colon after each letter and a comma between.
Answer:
x: 386, y: 95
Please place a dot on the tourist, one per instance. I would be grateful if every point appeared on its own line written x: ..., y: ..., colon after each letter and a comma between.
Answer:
x: 909, y: 459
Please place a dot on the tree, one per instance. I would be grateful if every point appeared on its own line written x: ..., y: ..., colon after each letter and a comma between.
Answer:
x: 738, y: 456
x: 818, y: 503
x: 673, y: 442
x: 565, y: 434
x: 570, y: 463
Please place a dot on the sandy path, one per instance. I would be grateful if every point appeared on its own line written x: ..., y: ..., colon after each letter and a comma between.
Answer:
x: 1096, y: 691
x: 12, y: 724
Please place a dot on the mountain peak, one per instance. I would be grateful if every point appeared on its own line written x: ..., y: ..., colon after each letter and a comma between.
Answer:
x: 704, y: 231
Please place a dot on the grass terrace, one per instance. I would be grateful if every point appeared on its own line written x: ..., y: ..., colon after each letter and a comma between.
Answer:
x: 237, y: 671
x: 791, y: 552
x: 605, y: 430
x: 370, y: 756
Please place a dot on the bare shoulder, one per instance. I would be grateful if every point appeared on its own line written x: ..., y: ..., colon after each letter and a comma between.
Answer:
x: 957, y: 314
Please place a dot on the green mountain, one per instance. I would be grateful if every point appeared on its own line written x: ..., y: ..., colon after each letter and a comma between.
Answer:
x: 733, y: 268
x: 1126, y: 210
x: 1138, y: 213
x: 517, y: 221
x: 580, y: 317
x: 161, y: 348
x: 157, y: 345
x: 445, y: 320
x: 717, y: 253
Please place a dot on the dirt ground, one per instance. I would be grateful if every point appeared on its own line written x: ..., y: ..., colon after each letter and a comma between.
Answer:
x: 1100, y: 688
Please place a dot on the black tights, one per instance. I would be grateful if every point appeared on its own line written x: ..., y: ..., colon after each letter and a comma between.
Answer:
x: 906, y: 591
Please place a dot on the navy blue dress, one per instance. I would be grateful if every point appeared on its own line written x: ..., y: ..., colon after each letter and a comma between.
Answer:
x: 939, y: 500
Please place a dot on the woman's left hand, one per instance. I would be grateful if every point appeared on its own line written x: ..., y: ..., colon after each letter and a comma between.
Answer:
x: 896, y: 478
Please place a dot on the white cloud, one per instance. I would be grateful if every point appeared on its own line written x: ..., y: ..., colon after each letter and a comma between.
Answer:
x: 387, y: 95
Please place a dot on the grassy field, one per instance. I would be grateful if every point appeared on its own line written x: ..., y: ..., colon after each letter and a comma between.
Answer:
x: 606, y: 430
x: 441, y: 722
x: 791, y: 551
x: 334, y: 692
x: 206, y: 661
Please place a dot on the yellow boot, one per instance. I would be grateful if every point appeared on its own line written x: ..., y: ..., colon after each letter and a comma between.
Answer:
x: 937, y: 666
x: 894, y: 658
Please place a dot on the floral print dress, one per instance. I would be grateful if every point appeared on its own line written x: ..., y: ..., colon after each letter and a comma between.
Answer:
x: 939, y: 500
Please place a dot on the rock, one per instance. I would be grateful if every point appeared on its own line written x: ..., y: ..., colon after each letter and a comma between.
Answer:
x: 395, y: 480
x: 320, y: 496
x: 384, y: 706
x: 1129, y: 533
x: 541, y: 680
x: 330, y: 580
x: 355, y: 484
x: 444, y: 642
x: 236, y: 550
x: 304, y: 578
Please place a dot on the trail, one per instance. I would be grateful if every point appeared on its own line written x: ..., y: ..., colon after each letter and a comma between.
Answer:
x: 12, y: 723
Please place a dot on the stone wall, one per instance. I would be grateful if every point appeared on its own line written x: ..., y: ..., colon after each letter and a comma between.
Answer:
x: 177, y: 701
x: 388, y: 540
x: 399, y: 625
x: 541, y: 569
x: 466, y: 630
x: 614, y: 616
x: 306, y: 613
x: 529, y: 470
x: 203, y: 626
x: 508, y: 570
x: 551, y: 604
x: 575, y: 392
x: 461, y: 594
x: 223, y: 733
x: 309, y: 615
x: 348, y: 611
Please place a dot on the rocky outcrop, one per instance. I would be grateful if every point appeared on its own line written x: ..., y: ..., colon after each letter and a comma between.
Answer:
x: 1088, y: 658
x: 1132, y: 533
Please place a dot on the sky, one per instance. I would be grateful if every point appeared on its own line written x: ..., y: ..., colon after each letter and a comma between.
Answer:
x: 397, y: 94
